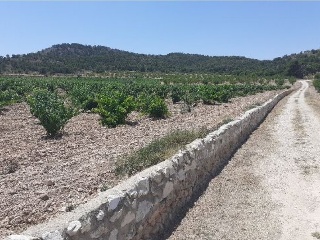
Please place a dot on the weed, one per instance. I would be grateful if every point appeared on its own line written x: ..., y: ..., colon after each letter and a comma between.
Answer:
x: 105, y: 187
x: 160, y: 149
x: 70, y: 207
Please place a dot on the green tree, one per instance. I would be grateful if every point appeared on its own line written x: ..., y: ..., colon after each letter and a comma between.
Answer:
x: 295, y: 70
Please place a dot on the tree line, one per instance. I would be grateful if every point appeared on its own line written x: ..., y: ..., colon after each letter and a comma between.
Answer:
x: 77, y: 59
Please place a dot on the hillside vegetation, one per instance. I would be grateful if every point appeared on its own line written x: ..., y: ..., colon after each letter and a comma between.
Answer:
x: 77, y: 59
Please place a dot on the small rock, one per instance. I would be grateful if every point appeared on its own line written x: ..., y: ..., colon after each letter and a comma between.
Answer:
x: 49, y: 183
x: 63, y: 209
x: 44, y: 197
x: 100, y: 215
x: 113, y: 201
x: 13, y: 192
x: 22, y: 237
x: 49, y: 209
x: 113, y: 234
x: 52, y: 236
x: 73, y: 228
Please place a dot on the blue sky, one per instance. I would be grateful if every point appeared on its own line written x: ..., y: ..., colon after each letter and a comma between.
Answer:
x: 262, y: 30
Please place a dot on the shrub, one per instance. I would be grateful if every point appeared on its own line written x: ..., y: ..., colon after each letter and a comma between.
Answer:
x: 316, y: 81
x: 189, y: 100
x: 152, y: 105
x: 279, y: 81
x: 90, y: 104
x: 292, y: 80
x: 158, y: 108
x: 176, y: 94
x: 316, y: 84
x: 8, y: 97
x: 115, y: 108
x: 50, y: 110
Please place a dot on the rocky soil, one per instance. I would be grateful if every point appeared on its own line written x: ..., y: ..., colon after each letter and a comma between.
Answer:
x: 40, y: 177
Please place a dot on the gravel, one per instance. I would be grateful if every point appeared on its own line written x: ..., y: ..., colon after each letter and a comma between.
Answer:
x: 41, y: 177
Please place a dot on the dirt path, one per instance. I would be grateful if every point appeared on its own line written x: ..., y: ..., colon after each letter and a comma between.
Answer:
x: 271, y: 187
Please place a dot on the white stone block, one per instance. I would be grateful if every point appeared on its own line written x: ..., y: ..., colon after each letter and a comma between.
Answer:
x: 128, y: 219
x: 114, y: 234
x: 52, y: 236
x: 22, y: 237
x: 143, y: 186
x: 113, y: 201
x: 73, y: 228
x: 143, y: 209
x: 167, y: 189
x: 181, y: 175
x: 116, y: 216
x: 100, y: 215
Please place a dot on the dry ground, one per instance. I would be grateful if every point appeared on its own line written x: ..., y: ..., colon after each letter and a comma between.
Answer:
x: 40, y: 177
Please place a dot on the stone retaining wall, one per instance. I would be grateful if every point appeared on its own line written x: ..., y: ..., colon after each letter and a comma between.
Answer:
x: 145, y: 205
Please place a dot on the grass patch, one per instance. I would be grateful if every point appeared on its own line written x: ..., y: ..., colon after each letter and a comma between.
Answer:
x: 161, y: 149
x: 157, y: 151
x: 105, y: 187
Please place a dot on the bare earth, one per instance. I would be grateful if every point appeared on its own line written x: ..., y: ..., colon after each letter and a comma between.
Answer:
x: 270, y: 188
x: 40, y: 177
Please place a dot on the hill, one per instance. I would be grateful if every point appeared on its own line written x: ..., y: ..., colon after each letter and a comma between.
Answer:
x: 76, y: 58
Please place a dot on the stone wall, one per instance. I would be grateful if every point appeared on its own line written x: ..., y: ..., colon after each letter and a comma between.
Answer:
x: 145, y: 205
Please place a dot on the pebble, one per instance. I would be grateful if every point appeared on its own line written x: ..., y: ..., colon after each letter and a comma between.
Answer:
x: 49, y: 183
x: 63, y: 209
x: 44, y: 197
x: 13, y: 192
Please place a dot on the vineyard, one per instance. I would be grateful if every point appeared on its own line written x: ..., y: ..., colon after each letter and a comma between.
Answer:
x: 55, y: 100
x: 54, y: 144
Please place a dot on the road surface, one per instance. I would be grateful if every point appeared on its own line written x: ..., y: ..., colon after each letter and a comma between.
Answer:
x: 271, y: 187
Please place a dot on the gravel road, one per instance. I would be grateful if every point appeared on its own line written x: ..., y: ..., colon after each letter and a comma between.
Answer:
x: 271, y: 187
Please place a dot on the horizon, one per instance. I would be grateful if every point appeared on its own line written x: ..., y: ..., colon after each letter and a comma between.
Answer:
x: 256, y: 30
x: 162, y: 54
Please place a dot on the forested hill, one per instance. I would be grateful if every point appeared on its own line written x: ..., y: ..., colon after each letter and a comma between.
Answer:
x: 76, y: 58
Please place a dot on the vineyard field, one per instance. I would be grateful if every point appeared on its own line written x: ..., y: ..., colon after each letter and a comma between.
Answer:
x: 82, y: 162
x: 115, y: 98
